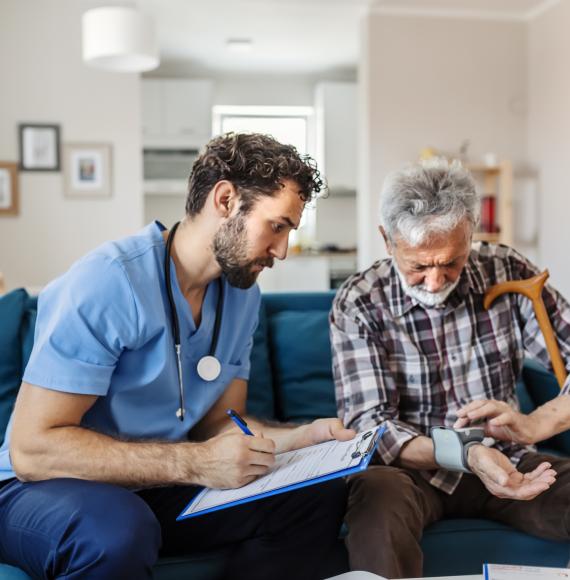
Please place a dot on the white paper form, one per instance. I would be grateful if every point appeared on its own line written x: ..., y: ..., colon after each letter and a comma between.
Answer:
x: 290, y: 468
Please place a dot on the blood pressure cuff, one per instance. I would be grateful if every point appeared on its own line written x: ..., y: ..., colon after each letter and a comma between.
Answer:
x: 451, y: 445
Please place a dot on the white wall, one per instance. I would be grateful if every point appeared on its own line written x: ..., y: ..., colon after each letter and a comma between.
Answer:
x: 435, y: 82
x: 549, y: 135
x: 44, y: 80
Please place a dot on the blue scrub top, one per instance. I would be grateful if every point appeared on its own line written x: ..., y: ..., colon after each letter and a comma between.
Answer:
x: 103, y: 328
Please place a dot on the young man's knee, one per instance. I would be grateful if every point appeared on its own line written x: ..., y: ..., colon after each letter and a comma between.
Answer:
x: 122, y: 528
x: 128, y: 551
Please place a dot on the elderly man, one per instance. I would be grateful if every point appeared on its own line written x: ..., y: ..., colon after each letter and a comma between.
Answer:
x: 414, y: 348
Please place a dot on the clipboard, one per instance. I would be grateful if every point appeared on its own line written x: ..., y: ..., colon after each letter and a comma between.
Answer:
x: 293, y: 470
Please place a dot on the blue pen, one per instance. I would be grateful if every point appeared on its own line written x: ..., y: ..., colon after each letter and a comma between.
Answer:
x: 238, y: 421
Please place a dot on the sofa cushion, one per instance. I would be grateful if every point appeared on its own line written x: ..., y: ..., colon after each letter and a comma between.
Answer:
x: 202, y: 566
x: 543, y: 386
x: 260, y: 397
x: 28, y: 329
x: 461, y: 546
x: 525, y: 402
x: 301, y: 359
x: 11, y: 573
x: 209, y: 565
x: 12, y: 307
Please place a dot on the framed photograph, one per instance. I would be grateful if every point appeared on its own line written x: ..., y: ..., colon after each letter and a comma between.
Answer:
x: 8, y: 188
x: 88, y: 171
x: 39, y: 147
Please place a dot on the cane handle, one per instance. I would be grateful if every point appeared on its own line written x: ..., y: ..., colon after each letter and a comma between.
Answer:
x: 532, y: 289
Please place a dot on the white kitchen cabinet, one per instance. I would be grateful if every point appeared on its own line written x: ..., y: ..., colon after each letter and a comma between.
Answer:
x: 336, y: 113
x: 297, y: 274
x: 176, y: 112
x: 151, y: 107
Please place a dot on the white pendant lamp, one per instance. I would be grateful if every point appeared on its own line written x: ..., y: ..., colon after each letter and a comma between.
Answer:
x: 120, y: 39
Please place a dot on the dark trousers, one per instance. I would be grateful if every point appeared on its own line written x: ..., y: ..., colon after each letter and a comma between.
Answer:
x: 69, y: 528
x: 389, y: 507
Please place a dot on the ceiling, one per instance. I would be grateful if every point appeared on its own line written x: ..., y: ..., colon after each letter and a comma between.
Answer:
x: 294, y: 36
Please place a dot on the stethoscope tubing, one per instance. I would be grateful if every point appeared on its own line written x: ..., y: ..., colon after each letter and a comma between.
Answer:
x: 180, y: 413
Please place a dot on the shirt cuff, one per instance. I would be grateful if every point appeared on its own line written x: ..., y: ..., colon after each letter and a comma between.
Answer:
x: 397, y: 434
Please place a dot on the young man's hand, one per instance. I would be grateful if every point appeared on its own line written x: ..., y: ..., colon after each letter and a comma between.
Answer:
x: 501, y: 477
x: 232, y: 459
x: 501, y: 421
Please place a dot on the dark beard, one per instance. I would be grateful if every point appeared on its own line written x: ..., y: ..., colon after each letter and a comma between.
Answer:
x: 230, y: 251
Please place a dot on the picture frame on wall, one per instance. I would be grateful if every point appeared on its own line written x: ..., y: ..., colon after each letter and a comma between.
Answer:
x: 39, y: 147
x: 88, y: 170
x: 9, y: 202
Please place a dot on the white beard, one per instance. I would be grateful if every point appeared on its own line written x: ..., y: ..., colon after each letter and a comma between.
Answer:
x: 425, y: 297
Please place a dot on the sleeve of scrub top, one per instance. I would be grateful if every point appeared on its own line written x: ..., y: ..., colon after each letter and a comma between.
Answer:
x: 85, y: 320
x: 245, y: 365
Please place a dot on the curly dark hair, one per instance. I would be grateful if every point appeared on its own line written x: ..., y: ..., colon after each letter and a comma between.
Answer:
x: 256, y: 164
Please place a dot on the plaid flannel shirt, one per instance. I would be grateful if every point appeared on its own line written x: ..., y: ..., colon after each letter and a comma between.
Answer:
x: 411, y: 367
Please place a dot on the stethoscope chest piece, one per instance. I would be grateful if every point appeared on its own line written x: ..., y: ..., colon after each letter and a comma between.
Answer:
x: 209, y: 368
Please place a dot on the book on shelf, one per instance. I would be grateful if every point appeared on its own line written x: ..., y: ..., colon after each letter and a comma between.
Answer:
x: 488, y: 223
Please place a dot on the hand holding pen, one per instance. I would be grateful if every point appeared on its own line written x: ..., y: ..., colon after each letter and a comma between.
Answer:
x: 232, y: 460
x: 235, y: 417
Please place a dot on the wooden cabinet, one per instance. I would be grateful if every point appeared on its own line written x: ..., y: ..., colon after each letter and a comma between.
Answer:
x: 495, y: 183
x: 336, y: 114
x: 176, y: 112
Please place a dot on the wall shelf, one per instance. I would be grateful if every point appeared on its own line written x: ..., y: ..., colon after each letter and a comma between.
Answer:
x: 496, y: 181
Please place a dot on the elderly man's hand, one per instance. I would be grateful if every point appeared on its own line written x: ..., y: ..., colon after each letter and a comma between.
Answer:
x: 322, y: 430
x: 502, y: 421
x: 501, y: 477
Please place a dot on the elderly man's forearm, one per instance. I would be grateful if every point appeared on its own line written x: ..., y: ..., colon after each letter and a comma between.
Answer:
x: 551, y: 418
x: 417, y: 454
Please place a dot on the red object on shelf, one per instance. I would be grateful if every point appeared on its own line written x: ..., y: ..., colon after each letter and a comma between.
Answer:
x: 488, y: 204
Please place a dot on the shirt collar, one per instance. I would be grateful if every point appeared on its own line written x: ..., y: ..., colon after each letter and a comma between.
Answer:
x: 398, y: 301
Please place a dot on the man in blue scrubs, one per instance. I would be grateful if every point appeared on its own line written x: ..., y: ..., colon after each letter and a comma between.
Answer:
x: 98, y: 461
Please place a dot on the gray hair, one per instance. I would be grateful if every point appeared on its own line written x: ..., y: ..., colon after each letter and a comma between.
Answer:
x: 427, y: 198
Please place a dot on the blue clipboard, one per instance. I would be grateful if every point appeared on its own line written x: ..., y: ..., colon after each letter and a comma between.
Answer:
x: 366, y: 456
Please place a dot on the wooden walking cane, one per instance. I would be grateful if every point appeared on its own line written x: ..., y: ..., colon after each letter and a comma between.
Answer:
x: 532, y: 289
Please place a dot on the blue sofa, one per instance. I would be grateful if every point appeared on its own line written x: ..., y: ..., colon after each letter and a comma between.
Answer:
x: 291, y: 380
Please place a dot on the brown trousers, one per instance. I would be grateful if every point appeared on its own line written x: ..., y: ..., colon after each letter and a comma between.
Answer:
x: 389, y: 507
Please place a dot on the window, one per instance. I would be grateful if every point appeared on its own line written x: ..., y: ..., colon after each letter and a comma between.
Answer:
x: 290, y: 125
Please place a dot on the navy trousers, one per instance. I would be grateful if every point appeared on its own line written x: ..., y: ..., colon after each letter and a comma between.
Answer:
x: 70, y: 528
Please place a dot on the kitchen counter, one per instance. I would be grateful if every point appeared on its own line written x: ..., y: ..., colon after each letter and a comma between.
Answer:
x: 309, y: 271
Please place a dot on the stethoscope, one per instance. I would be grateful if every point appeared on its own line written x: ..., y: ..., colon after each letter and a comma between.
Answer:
x: 208, y: 367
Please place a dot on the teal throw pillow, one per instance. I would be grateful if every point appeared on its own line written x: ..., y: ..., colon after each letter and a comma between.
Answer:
x: 301, y: 357
x: 11, y: 311
x: 260, y: 397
